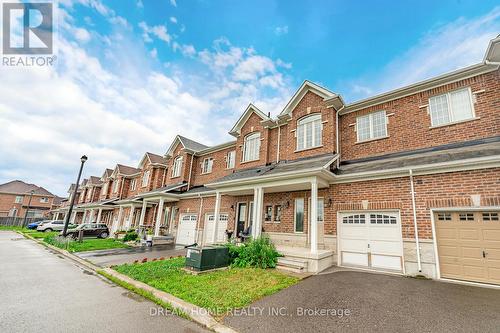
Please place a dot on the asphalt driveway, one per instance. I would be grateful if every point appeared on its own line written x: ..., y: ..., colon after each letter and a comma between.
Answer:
x: 352, y: 301
x: 107, y: 258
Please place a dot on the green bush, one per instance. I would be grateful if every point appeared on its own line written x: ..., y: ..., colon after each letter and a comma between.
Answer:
x: 130, y: 236
x: 58, y: 241
x: 259, y: 253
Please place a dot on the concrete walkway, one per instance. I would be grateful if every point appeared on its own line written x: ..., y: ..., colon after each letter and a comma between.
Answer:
x: 41, y: 291
x: 349, y: 301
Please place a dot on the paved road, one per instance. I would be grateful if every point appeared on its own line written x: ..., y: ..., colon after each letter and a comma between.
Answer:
x: 106, y: 258
x: 377, y: 303
x: 41, y: 291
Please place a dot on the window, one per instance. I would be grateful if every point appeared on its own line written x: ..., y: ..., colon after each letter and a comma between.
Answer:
x: 451, y: 107
x: 354, y: 219
x: 133, y: 184
x: 44, y: 200
x: 19, y: 199
x: 444, y: 216
x: 268, y: 216
x: 277, y: 213
x: 89, y: 194
x: 490, y: 216
x: 321, y: 211
x: 105, y: 188
x: 145, y: 178
x: 206, y: 165
x: 309, y: 132
x: 371, y: 126
x: 382, y: 219
x: 115, y: 185
x: 251, y: 147
x: 176, y: 168
x: 466, y: 216
x: 230, y: 159
x: 299, y: 215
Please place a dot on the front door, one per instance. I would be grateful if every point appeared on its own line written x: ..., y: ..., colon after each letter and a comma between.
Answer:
x: 241, y: 218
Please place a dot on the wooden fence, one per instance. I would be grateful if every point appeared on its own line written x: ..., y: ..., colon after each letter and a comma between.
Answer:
x: 18, y: 221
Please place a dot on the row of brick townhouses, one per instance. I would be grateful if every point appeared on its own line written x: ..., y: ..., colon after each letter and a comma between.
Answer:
x: 390, y: 180
x: 17, y: 197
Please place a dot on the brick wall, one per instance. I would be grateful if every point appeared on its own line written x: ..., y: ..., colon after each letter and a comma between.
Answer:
x: 218, y: 170
x: 252, y: 125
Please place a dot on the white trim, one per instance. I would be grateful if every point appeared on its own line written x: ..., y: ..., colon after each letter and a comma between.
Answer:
x: 302, y: 91
x: 236, y: 130
x: 295, y: 215
x: 370, y: 116
x: 451, y: 114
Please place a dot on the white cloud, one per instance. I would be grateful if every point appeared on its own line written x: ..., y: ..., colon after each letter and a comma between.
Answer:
x: 154, y: 53
x: 82, y: 35
x: 187, y: 50
x: 280, y: 31
x: 139, y: 4
x: 452, y: 46
x: 173, y: 3
x: 159, y: 31
x: 173, y: 19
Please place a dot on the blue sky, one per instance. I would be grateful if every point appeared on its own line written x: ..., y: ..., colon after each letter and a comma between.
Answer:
x: 133, y: 74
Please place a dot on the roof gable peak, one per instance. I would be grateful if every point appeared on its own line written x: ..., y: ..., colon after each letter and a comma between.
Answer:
x: 251, y: 108
x: 301, y: 92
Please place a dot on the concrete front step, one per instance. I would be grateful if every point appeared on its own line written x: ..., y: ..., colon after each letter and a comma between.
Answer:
x: 292, y: 264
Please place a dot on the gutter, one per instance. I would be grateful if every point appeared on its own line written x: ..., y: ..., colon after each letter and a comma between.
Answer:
x: 415, y: 226
x: 337, y: 134
x: 190, y: 172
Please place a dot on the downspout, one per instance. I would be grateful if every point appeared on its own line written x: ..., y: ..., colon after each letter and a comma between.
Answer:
x: 414, y: 206
x: 279, y: 142
x: 163, y: 178
x: 190, y: 172
x: 199, y: 221
x: 337, y: 134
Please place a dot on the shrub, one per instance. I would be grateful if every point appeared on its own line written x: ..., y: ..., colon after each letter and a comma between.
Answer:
x: 59, y: 241
x: 130, y: 236
x: 259, y: 253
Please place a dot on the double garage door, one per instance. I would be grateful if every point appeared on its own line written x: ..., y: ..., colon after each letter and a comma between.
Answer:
x: 371, y: 240
x: 468, y: 245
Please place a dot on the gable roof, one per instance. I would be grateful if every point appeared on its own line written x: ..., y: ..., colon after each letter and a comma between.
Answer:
x: 153, y: 159
x: 107, y: 173
x: 93, y: 180
x: 492, y: 54
x: 236, y: 130
x: 302, y: 91
x: 125, y: 170
x: 20, y: 187
x: 188, y: 144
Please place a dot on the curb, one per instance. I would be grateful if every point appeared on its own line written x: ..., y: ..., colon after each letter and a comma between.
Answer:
x: 196, y: 313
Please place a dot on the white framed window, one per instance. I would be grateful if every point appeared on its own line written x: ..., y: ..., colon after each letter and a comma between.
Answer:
x: 207, y: 164
x: 105, y: 188
x: 309, y: 132
x: 230, y: 159
x: 177, y: 166
x: 299, y: 215
x: 19, y: 199
x: 44, y: 200
x: 145, y: 178
x: 116, y: 184
x: 451, y: 107
x: 371, y: 126
x: 133, y: 184
x: 251, y: 147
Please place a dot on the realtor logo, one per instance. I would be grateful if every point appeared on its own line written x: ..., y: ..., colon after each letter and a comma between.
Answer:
x: 27, y: 28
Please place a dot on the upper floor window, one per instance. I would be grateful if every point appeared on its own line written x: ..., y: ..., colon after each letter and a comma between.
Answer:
x: 115, y: 186
x: 451, y: 107
x: 371, y: 126
x: 206, y: 165
x: 19, y: 199
x: 251, y: 147
x: 145, y: 178
x: 89, y: 193
x: 176, y: 168
x: 105, y: 188
x: 309, y: 132
x: 133, y: 184
x: 44, y: 200
x: 230, y: 159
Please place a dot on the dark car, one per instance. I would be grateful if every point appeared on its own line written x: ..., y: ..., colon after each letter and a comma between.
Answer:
x: 99, y: 230
x: 33, y: 225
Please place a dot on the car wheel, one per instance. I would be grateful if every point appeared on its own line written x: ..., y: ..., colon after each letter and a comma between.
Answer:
x: 47, y: 230
x: 103, y: 234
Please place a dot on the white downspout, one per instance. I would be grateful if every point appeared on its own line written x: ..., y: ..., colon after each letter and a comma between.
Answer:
x: 279, y: 141
x: 199, y: 221
x: 337, y: 134
x: 190, y: 172
x: 414, y: 206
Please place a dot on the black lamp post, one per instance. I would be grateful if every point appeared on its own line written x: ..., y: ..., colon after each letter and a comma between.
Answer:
x: 83, y: 159
x: 29, y: 206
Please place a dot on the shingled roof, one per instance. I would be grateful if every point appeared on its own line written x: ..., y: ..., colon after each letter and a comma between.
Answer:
x: 20, y: 187
x: 154, y: 158
x: 191, y: 144
x: 127, y: 170
x: 93, y: 180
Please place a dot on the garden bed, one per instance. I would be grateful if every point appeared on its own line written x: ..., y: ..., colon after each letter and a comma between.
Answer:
x: 218, y: 291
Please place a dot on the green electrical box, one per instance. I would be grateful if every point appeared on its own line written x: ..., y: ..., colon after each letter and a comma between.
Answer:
x: 207, y: 257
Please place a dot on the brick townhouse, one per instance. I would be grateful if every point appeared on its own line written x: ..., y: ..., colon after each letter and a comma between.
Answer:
x: 407, y: 181
x: 15, y: 200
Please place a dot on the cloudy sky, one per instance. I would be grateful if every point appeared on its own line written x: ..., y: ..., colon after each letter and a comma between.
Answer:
x: 131, y: 74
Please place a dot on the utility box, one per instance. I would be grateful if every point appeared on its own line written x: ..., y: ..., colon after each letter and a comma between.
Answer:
x: 207, y: 257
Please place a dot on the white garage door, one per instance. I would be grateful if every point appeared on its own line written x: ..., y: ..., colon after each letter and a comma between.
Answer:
x: 371, y: 239
x: 186, y: 231
x: 221, y: 228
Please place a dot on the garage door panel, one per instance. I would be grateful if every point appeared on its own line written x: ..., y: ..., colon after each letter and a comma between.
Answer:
x: 492, y: 235
x: 385, y: 247
x: 386, y: 262
x: 474, y: 271
x: 186, y: 232
x: 381, y: 233
x: 448, y: 234
x: 221, y: 228
x: 493, y: 274
x: 355, y: 232
x: 355, y: 245
x: 469, y: 234
x: 472, y: 252
x: 355, y: 259
x: 451, y: 269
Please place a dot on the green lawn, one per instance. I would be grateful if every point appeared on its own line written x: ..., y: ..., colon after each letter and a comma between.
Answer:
x: 39, y: 234
x: 11, y: 228
x: 88, y: 244
x: 217, y: 291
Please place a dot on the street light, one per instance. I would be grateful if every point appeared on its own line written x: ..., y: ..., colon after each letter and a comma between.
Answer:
x: 83, y: 159
x: 29, y: 206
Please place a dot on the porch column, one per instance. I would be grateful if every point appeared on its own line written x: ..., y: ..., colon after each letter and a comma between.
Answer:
x: 84, y: 216
x: 168, y: 216
x: 143, y: 212
x: 131, y: 217
x: 115, y: 225
x: 314, y: 216
x: 91, y: 217
x: 73, y: 216
x: 216, y: 216
x: 159, y: 214
x: 65, y: 214
x: 99, y: 214
x: 258, y: 198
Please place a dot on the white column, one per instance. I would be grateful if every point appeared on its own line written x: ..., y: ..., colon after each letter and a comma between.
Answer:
x: 216, y: 216
x: 143, y: 212
x: 169, y: 217
x: 91, y: 217
x: 159, y: 214
x: 130, y: 218
x: 314, y: 216
x: 84, y: 216
x: 73, y: 217
x: 99, y: 214
x: 115, y: 225
x: 258, y: 198
x: 255, y: 210
x: 65, y: 214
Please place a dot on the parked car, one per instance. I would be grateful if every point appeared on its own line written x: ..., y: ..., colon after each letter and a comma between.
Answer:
x: 33, y: 225
x: 57, y: 225
x: 99, y: 230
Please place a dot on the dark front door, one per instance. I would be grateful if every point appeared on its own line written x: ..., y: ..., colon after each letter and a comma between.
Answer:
x: 240, y: 221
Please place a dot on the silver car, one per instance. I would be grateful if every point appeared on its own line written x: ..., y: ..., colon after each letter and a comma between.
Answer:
x: 56, y: 225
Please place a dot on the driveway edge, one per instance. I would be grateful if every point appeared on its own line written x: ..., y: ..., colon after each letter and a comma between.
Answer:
x: 195, y: 313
